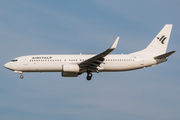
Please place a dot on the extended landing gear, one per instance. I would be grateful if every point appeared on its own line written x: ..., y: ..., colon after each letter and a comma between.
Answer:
x: 21, y: 76
x: 89, y: 75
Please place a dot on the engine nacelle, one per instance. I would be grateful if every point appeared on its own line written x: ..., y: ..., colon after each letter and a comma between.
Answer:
x: 70, y: 68
x: 69, y: 74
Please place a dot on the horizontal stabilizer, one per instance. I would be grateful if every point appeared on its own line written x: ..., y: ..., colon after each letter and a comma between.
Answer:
x: 164, y: 55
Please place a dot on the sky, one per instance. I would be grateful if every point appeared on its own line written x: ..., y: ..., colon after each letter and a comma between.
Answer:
x: 89, y: 27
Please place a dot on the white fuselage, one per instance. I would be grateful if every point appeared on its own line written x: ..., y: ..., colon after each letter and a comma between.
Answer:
x: 54, y: 63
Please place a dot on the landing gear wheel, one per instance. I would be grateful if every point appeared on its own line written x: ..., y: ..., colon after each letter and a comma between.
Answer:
x: 89, y: 76
x: 21, y: 76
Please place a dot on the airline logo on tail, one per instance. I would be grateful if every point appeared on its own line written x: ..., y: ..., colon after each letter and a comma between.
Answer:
x: 162, y: 39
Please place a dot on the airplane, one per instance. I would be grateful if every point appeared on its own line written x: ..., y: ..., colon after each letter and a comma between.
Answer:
x: 75, y: 65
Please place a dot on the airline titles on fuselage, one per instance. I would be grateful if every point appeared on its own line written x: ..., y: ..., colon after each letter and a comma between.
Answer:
x: 41, y: 57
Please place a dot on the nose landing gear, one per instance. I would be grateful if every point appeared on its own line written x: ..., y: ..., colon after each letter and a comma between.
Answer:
x: 20, y: 72
x: 21, y: 76
x: 89, y: 75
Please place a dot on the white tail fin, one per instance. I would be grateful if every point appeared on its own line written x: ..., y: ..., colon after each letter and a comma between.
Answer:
x: 159, y: 44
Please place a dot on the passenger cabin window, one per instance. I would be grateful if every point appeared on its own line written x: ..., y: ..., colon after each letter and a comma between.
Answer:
x: 15, y: 60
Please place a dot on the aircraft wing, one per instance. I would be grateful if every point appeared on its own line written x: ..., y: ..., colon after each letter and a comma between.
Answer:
x: 95, y: 61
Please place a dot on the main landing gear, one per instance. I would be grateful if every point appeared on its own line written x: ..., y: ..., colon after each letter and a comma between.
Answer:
x: 89, y: 75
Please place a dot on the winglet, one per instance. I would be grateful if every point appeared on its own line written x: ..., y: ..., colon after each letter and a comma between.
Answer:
x: 115, y: 43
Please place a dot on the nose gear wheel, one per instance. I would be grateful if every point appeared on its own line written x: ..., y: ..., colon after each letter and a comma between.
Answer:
x: 21, y: 76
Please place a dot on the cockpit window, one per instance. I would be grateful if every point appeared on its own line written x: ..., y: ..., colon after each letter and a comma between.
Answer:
x: 15, y: 60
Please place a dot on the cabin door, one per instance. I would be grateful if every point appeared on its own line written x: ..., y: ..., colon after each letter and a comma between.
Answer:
x: 141, y: 60
x: 25, y: 61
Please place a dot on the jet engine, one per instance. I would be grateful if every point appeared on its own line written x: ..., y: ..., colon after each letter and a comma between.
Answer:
x: 70, y: 70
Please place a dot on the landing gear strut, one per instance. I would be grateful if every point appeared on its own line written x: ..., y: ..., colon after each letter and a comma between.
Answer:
x: 89, y: 75
x: 21, y: 76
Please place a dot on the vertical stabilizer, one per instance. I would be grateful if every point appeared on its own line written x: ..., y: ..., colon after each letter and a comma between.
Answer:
x: 159, y: 44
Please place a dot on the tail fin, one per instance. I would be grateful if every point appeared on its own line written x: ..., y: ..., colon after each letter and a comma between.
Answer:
x: 159, y: 44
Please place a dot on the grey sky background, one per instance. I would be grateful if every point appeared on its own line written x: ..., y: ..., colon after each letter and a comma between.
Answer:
x: 83, y: 26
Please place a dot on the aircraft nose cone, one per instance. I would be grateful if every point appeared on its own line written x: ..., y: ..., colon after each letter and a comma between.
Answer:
x: 7, y: 65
